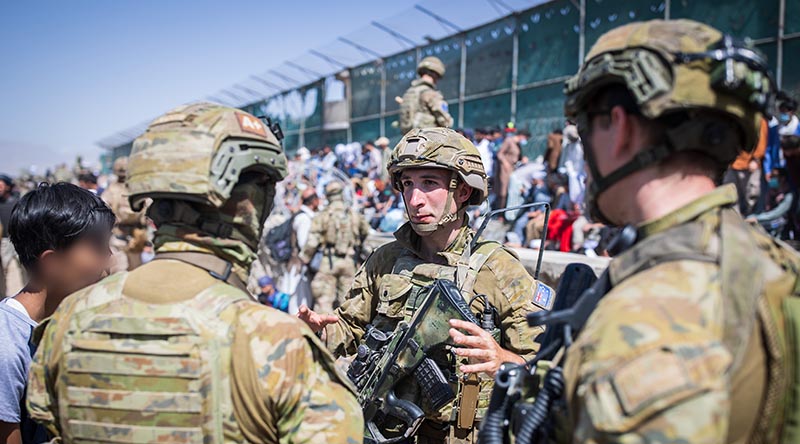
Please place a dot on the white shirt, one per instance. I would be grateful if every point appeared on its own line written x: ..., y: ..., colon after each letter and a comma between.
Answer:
x: 790, y: 128
x: 302, y: 225
x: 484, y: 147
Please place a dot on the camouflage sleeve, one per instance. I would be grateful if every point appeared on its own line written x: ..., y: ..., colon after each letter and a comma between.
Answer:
x: 659, y: 375
x: 361, y: 305
x: 314, y: 239
x: 42, y: 399
x: 510, y: 288
x: 363, y: 228
x: 354, y: 314
x: 290, y: 391
x: 437, y: 106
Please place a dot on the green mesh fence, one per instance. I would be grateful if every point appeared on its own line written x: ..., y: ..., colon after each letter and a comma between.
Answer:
x: 313, y: 99
x: 400, y: 71
x: 489, y: 111
x: 791, y: 67
x: 392, y: 131
x: 489, y: 57
x: 742, y: 18
x: 792, y: 23
x: 290, y: 142
x: 366, y: 86
x: 331, y: 138
x: 548, y: 50
x: 548, y: 42
x: 604, y: 15
x: 313, y: 139
x: 540, y: 110
x: 366, y: 130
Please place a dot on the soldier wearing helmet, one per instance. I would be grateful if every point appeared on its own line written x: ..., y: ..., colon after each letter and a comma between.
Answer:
x: 684, y: 345
x: 422, y: 106
x: 439, y: 173
x: 337, y: 233
x: 176, y: 350
x: 129, y: 235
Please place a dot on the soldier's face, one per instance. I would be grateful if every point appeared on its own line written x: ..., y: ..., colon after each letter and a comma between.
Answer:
x: 425, y: 193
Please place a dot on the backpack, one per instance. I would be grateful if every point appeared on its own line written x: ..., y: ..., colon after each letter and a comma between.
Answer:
x: 280, y: 241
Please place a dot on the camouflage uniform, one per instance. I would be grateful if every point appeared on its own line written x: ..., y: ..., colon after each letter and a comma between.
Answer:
x: 385, y: 289
x: 147, y: 356
x: 337, y: 232
x: 130, y: 224
x: 423, y: 106
x: 685, y: 347
x: 691, y: 365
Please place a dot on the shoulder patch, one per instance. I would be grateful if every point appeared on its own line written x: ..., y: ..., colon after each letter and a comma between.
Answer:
x: 444, y: 106
x: 623, y: 397
x: 543, y: 297
x: 250, y: 124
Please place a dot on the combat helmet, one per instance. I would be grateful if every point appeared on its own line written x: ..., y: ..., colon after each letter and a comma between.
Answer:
x: 334, y: 190
x: 440, y: 148
x: 120, y: 167
x: 197, y: 154
x: 432, y: 64
x: 710, y: 89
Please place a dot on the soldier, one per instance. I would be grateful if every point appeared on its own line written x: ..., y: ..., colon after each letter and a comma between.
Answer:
x: 687, y: 346
x: 422, y: 105
x: 337, y: 232
x: 148, y: 356
x: 439, y: 174
x: 130, y: 233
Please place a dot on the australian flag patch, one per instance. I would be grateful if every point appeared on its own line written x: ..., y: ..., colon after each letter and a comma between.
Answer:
x: 544, y: 296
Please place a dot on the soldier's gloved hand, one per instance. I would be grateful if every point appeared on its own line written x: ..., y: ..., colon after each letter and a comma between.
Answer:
x: 315, y: 320
x: 484, y: 353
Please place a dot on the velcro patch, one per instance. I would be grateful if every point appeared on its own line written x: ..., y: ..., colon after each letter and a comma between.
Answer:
x: 444, y: 107
x: 544, y: 296
x: 656, y: 375
x: 250, y: 124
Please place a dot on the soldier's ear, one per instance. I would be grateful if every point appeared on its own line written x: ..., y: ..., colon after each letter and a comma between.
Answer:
x: 463, y: 193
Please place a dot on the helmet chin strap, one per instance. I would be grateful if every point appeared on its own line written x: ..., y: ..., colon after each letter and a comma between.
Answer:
x: 646, y: 157
x: 447, y: 218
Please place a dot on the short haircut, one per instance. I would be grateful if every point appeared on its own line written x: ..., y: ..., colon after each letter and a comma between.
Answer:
x: 309, y: 199
x: 53, y: 217
x: 88, y: 178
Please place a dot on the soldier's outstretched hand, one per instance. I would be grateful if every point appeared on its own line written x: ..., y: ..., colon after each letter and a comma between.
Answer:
x: 315, y: 320
x: 484, y: 352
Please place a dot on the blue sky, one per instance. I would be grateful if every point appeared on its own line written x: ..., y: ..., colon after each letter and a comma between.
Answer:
x: 77, y: 71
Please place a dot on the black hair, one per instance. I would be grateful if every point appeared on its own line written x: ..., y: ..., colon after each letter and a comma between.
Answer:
x: 53, y: 217
x: 309, y: 199
x: 785, y: 101
x: 88, y: 178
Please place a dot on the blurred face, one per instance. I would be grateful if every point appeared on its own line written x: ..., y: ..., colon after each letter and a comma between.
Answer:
x: 4, y: 189
x: 425, y: 194
x: 267, y: 289
x: 83, y: 263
